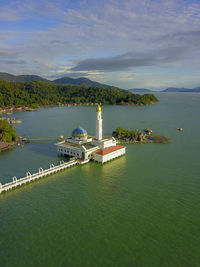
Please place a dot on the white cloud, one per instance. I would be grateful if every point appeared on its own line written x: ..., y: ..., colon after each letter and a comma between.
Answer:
x: 99, y: 29
x: 8, y: 14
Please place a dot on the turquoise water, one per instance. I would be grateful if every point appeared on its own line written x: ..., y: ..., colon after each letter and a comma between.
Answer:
x: 142, y: 209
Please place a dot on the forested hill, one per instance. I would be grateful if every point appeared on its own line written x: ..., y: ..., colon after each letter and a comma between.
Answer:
x: 45, y: 93
x: 65, y: 80
x: 20, y: 78
x: 79, y: 81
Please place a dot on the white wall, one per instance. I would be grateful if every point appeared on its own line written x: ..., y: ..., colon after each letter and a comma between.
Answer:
x: 70, y: 152
x: 110, y: 156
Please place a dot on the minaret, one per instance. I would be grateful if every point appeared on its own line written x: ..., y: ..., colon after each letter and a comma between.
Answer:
x: 98, y: 123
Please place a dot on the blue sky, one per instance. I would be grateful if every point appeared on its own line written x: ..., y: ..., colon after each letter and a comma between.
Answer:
x: 130, y: 44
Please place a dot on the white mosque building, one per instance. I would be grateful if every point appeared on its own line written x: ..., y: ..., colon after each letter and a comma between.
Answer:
x: 84, y: 147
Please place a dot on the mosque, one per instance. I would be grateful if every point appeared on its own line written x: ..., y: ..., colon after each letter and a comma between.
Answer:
x: 86, y: 148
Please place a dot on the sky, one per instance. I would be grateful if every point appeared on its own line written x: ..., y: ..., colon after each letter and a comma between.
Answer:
x: 126, y: 43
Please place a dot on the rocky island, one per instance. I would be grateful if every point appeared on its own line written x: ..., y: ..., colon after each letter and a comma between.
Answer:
x: 136, y: 136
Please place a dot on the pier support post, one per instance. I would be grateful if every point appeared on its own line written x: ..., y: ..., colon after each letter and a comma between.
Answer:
x: 40, y: 170
x: 62, y: 162
x: 51, y: 166
x: 15, y: 180
x: 28, y: 175
x: 0, y: 188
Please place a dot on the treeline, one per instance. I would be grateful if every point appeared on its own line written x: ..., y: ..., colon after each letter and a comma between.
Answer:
x: 45, y: 93
x: 7, y: 132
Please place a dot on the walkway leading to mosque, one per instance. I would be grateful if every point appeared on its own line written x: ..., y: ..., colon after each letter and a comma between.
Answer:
x: 40, y: 174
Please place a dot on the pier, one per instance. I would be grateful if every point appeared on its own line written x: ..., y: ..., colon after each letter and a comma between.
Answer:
x: 40, y: 174
x: 28, y: 140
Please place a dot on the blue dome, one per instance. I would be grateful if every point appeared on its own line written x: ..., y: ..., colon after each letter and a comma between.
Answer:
x: 79, y: 132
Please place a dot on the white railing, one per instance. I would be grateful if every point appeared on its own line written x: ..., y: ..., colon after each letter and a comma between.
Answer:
x: 41, y: 173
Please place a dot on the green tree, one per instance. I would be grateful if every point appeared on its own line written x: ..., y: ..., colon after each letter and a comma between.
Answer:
x: 7, y: 132
x: 46, y: 93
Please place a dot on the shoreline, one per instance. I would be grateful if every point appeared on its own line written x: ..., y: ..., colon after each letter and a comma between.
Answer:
x: 6, y: 146
x: 10, y: 109
x: 152, y: 140
x: 135, y: 142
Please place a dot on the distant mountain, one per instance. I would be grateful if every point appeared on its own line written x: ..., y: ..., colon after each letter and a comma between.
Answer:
x: 174, y: 90
x: 65, y: 80
x: 140, y: 90
x: 168, y: 90
x: 20, y: 78
x: 84, y: 81
x: 196, y: 90
x: 181, y: 90
x: 79, y: 81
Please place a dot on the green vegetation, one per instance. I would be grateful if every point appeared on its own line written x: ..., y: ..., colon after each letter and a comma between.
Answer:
x: 119, y: 133
x: 45, y: 93
x: 132, y: 136
x: 7, y: 132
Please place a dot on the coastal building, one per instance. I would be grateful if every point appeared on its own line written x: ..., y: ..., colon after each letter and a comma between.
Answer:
x: 82, y: 146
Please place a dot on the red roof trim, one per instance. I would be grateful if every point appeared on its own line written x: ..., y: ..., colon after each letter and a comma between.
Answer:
x: 108, y: 150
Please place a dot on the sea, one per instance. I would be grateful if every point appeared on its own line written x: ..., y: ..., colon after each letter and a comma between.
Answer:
x: 142, y: 209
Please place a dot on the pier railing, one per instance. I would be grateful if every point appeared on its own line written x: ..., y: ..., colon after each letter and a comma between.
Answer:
x: 41, y: 173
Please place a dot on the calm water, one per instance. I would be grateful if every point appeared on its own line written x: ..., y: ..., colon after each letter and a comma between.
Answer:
x: 139, y: 210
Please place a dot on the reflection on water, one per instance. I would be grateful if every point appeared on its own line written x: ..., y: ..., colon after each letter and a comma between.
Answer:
x: 43, y: 148
x: 113, y: 168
